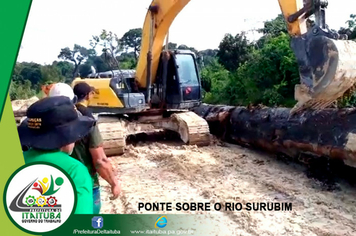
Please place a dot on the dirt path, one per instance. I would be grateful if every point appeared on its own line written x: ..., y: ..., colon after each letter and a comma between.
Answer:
x: 158, y: 172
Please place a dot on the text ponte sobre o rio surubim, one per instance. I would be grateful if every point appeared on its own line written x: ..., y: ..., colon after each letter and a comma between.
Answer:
x: 207, y: 206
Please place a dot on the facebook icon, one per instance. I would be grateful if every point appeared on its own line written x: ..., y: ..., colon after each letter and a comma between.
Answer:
x: 97, y: 222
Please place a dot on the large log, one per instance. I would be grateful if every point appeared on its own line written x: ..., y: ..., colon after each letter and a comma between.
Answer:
x: 326, y: 133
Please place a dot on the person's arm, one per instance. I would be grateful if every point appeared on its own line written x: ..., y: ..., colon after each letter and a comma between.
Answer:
x: 105, y: 170
x: 84, y: 186
x: 102, y: 163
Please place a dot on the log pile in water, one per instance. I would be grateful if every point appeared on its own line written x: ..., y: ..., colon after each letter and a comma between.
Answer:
x: 326, y: 133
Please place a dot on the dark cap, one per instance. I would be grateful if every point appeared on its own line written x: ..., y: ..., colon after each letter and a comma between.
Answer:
x: 82, y: 89
x: 52, y: 123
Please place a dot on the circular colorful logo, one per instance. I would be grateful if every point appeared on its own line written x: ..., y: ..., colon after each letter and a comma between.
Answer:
x: 39, y: 197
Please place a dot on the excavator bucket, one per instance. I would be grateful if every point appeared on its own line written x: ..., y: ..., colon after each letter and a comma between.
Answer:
x: 327, y: 70
x: 326, y: 59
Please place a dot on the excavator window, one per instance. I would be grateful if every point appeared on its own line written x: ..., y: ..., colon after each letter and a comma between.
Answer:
x: 187, y: 70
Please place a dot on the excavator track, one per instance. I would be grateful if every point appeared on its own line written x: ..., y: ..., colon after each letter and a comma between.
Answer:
x: 193, y: 129
x: 113, y: 132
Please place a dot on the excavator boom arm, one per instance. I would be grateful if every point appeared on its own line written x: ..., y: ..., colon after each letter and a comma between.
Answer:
x: 164, y: 12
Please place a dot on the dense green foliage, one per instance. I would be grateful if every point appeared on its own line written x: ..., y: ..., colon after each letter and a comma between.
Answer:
x: 239, y: 72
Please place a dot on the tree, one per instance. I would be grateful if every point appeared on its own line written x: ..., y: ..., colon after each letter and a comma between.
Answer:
x: 85, y: 69
x: 132, y: 40
x: 185, y: 47
x: 350, y: 30
x: 16, y: 74
x: 100, y: 63
x: 268, y: 77
x: 171, y: 46
x: 352, y: 22
x: 233, y: 51
x: 32, y: 72
x: 127, y: 60
x: 274, y: 27
x: 21, y: 90
x: 111, y: 47
x: 207, y: 57
x: 77, y: 56
x: 66, y: 68
x: 214, y: 80
x: 50, y: 74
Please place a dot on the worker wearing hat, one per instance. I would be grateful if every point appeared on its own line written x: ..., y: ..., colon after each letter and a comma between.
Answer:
x: 84, y: 92
x: 50, y: 131
x: 89, y: 150
x: 62, y: 89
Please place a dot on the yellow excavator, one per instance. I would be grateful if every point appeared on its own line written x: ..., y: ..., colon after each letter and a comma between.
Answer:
x: 166, y: 84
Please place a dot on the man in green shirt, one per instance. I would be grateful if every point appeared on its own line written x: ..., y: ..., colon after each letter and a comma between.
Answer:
x: 89, y: 149
x: 50, y: 131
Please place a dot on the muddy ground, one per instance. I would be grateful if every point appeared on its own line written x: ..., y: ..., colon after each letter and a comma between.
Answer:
x: 168, y: 171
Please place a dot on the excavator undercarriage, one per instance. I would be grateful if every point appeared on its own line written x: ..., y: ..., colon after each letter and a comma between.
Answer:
x: 192, y: 129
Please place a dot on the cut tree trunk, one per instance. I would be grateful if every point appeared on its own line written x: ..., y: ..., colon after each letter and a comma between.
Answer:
x: 326, y: 133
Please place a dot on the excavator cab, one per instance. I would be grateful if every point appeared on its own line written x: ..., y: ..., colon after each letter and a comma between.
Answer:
x: 178, y: 84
